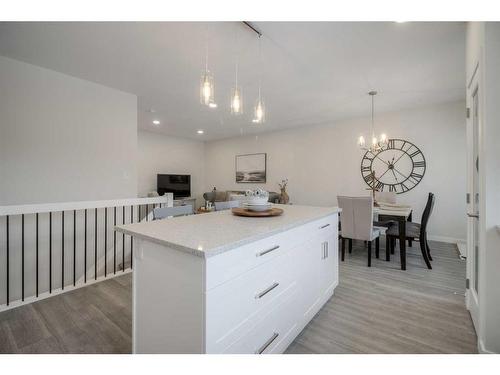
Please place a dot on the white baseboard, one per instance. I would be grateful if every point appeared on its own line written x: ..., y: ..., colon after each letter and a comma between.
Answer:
x: 481, y: 349
x: 446, y: 239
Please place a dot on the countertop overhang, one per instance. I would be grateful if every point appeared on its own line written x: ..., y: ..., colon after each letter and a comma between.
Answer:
x: 209, y: 234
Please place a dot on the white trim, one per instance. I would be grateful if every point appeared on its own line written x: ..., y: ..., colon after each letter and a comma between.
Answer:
x: 81, y: 205
x: 55, y: 292
x: 481, y: 349
x: 462, y: 248
x: 446, y: 239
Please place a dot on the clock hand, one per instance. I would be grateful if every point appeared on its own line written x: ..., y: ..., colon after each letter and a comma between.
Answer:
x: 379, y: 158
x: 388, y: 169
x: 395, y: 176
x: 400, y: 173
x: 403, y: 154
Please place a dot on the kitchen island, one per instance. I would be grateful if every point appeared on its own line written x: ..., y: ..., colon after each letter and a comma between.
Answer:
x: 219, y: 283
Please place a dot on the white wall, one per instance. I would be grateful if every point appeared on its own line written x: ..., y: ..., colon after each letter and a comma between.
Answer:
x: 63, y: 138
x: 322, y: 162
x: 483, y: 47
x: 159, y: 153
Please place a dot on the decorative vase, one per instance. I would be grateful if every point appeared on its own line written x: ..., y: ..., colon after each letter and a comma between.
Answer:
x: 284, y: 198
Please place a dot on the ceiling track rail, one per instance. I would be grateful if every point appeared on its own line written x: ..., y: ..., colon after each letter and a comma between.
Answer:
x: 253, y: 28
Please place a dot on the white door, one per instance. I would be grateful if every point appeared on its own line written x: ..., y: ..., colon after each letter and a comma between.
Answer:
x: 473, y: 214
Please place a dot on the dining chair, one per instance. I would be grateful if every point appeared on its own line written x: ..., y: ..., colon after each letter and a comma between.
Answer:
x: 164, y: 212
x: 357, y: 223
x: 220, y: 206
x: 416, y: 231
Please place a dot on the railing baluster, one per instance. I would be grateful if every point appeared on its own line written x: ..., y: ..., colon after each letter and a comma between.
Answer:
x: 105, y: 241
x: 74, y: 247
x: 22, y: 257
x: 50, y: 252
x: 85, y: 251
x: 114, y: 243
x: 95, y: 245
x: 123, y: 241
x: 7, y: 254
x: 147, y: 212
x: 131, y: 238
x: 36, y: 249
x: 62, y: 250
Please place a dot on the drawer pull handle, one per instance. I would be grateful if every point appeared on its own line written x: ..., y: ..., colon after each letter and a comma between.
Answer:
x: 267, y: 251
x: 324, y: 226
x: 267, y: 343
x: 267, y: 290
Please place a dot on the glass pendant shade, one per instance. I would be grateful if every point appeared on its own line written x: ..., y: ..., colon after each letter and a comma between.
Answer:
x: 236, y: 102
x: 259, y: 112
x: 207, y: 89
x: 361, y: 141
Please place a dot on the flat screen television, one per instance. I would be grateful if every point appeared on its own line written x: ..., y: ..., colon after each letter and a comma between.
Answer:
x: 178, y: 184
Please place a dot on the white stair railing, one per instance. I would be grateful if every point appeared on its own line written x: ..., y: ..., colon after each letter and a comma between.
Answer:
x: 48, y: 249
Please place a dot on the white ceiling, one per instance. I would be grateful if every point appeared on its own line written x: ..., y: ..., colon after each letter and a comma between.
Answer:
x: 313, y: 73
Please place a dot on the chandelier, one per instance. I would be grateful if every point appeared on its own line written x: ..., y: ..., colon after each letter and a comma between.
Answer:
x: 376, y: 143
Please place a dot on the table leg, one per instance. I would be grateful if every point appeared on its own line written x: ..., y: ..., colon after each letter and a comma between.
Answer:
x: 410, y: 219
x: 402, y: 242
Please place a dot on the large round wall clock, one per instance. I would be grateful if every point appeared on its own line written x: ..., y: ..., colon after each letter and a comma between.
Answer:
x: 398, y: 166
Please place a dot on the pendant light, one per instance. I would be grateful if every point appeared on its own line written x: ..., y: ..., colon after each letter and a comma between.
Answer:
x: 260, y: 109
x: 236, y: 97
x: 376, y: 143
x: 207, y: 87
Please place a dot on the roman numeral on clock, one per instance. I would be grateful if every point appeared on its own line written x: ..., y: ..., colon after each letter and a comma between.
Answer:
x: 419, y: 164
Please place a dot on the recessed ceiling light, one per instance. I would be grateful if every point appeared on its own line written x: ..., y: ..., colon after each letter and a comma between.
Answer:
x: 213, y: 105
x: 400, y: 21
x: 200, y: 131
x: 156, y: 122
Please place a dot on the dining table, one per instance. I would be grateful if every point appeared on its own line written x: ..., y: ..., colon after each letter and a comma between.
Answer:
x: 400, y: 214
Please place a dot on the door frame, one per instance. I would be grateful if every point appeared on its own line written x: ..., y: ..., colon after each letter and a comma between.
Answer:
x: 474, y: 86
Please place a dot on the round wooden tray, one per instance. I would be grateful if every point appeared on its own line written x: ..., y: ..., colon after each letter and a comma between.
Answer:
x: 244, y: 212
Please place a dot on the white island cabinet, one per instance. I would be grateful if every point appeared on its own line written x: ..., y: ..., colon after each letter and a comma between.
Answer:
x: 219, y: 283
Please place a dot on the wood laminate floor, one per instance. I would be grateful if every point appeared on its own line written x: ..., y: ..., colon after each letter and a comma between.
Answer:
x: 374, y: 310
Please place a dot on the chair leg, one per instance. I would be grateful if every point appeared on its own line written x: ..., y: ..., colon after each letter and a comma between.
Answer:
x: 377, y: 247
x: 423, y: 248
x: 428, y: 248
x: 369, y: 253
x: 387, y: 248
x: 350, y: 245
x: 343, y: 249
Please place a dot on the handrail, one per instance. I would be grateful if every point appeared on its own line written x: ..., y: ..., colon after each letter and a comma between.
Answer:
x: 54, y: 247
x: 79, y: 205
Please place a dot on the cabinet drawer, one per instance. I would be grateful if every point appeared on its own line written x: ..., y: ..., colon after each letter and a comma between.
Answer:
x: 325, y: 226
x: 233, y: 307
x: 224, y: 267
x: 272, y: 333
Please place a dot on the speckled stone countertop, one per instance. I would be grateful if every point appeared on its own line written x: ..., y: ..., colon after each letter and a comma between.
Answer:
x: 209, y: 234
